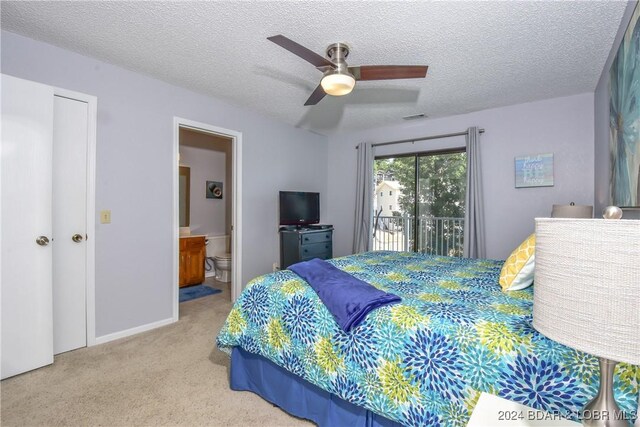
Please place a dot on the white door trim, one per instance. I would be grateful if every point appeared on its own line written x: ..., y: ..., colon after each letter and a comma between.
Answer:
x: 236, y: 203
x: 92, y: 103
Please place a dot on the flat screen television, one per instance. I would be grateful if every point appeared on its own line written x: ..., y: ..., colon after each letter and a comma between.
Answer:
x: 299, y: 208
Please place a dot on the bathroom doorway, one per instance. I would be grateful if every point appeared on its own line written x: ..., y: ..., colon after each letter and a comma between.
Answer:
x: 207, y: 207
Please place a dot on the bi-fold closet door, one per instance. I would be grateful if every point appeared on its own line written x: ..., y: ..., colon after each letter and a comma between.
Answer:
x: 44, y: 227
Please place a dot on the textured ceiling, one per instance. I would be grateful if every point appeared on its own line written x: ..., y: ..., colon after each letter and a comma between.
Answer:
x: 480, y: 54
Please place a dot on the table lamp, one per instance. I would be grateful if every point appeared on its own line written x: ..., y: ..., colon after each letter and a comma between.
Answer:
x: 587, y: 296
x: 572, y: 211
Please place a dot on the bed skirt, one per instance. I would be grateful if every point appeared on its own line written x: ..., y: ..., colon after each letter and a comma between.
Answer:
x: 250, y: 372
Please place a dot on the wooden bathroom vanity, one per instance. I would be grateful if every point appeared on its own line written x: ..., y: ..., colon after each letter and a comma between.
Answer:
x: 191, y: 262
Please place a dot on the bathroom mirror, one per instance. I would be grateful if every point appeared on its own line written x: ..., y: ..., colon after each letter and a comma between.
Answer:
x: 185, y: 185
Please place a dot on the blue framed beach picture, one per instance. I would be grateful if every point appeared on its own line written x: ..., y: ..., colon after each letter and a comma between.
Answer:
x: 534, y: 171
x: 624, y: 114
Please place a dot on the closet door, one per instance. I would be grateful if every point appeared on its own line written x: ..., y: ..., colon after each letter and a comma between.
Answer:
x: 26, y: 247
x: 70, y: 133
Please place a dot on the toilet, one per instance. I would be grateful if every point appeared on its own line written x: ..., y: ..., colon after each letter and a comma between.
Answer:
x: 222, y: 263
x: 218, y: 250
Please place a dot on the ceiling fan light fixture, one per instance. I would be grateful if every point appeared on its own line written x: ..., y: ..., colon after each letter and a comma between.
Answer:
x: 338, y: 78
x: 338, y: 84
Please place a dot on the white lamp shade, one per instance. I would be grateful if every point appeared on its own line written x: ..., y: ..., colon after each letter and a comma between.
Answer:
x: 572, y: 211
x: 587, y: 285
x: 338, y: 84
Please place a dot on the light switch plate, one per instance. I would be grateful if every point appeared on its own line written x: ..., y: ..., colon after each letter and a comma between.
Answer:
x: 105, y: 216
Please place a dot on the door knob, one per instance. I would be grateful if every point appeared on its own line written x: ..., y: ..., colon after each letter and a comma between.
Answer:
x: 76, y: 238
x: 42, y: 240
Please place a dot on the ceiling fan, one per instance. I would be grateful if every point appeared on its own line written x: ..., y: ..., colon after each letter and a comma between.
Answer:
x: 339, y: 79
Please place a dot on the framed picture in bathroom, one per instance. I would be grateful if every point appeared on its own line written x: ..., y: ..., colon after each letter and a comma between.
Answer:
x: 214, y: 190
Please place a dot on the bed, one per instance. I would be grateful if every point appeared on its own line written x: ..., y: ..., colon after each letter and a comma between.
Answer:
x: 423, y: 361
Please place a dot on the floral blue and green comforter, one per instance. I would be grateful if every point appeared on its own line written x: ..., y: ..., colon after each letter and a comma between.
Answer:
x: 425, y: 360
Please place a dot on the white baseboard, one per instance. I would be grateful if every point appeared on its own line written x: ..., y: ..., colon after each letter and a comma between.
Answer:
x: 210, y: 274
x: 138, y: 329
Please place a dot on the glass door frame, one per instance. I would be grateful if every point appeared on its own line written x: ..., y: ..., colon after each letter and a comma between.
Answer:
x: 416, y: 155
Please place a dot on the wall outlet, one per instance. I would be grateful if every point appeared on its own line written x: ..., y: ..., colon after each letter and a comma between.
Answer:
x: 275, y: 266
x: 105, y: 216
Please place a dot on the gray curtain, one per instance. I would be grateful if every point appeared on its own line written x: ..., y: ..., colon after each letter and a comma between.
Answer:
x: 364, y: 193
x: 474, y: 242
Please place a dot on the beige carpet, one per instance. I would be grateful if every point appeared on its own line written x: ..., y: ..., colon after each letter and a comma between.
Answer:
x: 171, y: 376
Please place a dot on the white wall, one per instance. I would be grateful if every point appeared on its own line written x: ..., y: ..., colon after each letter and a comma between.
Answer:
x: 207, y: 216
x: 134, y: 284
x: 563, y: 126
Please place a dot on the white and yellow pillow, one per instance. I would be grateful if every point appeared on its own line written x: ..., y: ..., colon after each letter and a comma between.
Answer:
x: 517, y: 271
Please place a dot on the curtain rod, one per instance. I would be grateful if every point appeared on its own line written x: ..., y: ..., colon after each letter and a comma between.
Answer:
x: 426, y: 138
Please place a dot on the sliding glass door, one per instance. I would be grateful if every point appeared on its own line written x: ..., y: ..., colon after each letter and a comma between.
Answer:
x: 419, y: 203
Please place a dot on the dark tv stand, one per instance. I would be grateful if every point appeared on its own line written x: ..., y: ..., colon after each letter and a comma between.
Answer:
x: 302, y: 243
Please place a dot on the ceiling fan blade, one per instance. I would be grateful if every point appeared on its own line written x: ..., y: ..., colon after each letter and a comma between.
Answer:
x: 301, y: 51
x: 388, y: 72
x: 316, y: 96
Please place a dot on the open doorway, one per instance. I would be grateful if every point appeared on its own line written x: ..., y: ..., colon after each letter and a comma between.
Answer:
x: 207, y: 207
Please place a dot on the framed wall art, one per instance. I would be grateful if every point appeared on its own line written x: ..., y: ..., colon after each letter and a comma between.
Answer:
x: 624, y: 114
x: 214, y: 190
x: 534, y: 171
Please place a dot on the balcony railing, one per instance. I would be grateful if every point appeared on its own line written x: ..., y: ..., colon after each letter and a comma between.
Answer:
x: 434, y: 236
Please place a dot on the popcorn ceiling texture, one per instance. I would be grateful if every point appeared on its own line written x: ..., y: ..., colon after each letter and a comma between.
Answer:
x: 480, y: 54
